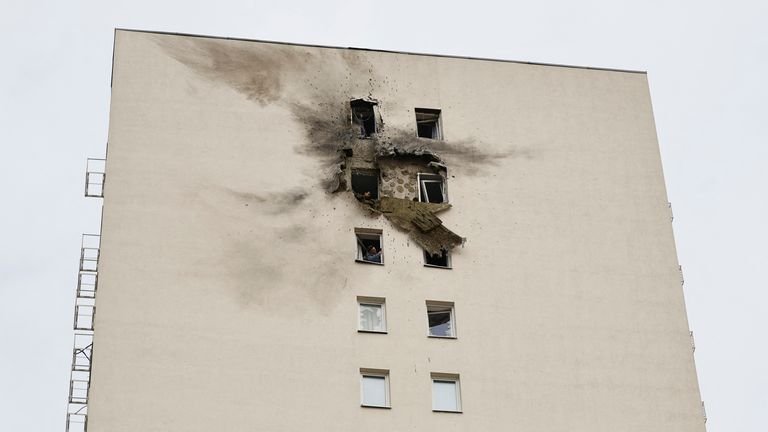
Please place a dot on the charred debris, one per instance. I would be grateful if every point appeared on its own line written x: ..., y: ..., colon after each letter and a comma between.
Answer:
x: 396, y: 174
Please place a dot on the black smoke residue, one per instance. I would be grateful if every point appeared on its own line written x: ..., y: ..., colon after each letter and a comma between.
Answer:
x: 328, y: 136
x: 256, y: 71
x: 272, y: 202
x: 468, y: 152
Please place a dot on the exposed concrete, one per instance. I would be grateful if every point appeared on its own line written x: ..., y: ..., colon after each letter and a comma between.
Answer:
x: 418, y: 219
x: 398, y: 177
x: 398, y: 154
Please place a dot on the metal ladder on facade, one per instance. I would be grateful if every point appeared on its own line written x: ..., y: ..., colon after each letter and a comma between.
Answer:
x: 85, y: 309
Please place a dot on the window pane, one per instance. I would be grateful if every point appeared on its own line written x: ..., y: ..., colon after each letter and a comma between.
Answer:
x: 444, y: 396
x: 440, y: 323
x: 433, y: 190
x: 426, y: 130
x: 374, y: 390
x: 371, y: 317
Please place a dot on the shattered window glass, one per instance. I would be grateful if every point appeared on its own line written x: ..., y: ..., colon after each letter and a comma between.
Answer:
x: 440, y: 320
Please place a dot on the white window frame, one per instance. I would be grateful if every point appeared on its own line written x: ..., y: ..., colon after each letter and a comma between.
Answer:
x: 445, y: 377
x: 368, y: 234
x: 422, y: 178
x: 442, y: 305
x: 375, y: 373
x: 372, y: 301
x: 438, y: 130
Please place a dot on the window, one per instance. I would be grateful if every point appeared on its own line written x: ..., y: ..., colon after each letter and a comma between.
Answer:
x: 372, y: 315
x: 440, y: 316
x: 374, y: 388
x: 365, y: 183
x: 364, y: 116
x: 428, y: 123
x: 446, y: 394
x: 442, y: 260
x: 431, y: 188
x: 369, y: 246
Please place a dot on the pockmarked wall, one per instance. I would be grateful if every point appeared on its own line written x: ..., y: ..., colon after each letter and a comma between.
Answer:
x: 228, y: 280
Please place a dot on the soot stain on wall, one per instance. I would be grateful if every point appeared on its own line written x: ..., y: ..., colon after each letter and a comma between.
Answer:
x: 257, y: 71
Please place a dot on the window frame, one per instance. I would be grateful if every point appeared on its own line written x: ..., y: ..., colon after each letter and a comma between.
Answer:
x: 375, y: 112
x: 367, y: 234
x: 438, y: 128
x: 452, y: 311
x: 448, y: 261
x: 422, y: 194
x: 375, y: 373
x: 447, y: 378
x: 372, y: 301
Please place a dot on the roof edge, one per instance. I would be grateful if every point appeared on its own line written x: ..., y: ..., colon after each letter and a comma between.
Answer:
x: 382, y: 51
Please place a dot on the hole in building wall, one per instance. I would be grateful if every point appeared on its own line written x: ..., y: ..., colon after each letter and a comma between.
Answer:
x: 365, y: 183
x: 364, y: 116
x: 428, y: 123
x: 437, y: 260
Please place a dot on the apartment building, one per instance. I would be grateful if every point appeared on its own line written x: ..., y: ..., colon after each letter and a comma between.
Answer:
x: 316, y: 238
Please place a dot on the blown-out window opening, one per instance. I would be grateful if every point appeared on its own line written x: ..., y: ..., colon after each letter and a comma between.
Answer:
x: 365, y: 183
x: 428, y: 123
x: 364, y: 117
x: 442, y: 260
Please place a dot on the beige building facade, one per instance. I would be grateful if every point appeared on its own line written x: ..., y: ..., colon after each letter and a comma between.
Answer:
x: 247, y: 181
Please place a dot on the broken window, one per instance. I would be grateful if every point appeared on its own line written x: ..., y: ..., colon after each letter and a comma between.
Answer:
x: 364, y: 116
x: 441, y: 319
x: 369, y: 246
x: 432, y: 188
x: 365, y: 183
x: 428, y: 123
x: 372, y: 315
x: 437, y: 260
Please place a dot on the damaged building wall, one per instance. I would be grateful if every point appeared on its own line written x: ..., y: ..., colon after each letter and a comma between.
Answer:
x: 228, y: 277
x: 399, y: 177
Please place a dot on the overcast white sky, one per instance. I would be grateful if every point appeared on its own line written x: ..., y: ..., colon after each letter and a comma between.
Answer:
x: 707, y: 63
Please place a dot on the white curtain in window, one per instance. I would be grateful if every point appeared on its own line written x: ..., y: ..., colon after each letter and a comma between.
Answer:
x: 371, y: 317
x: 374, y: 390
x: 444, y: 396
x: 436, y: 131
